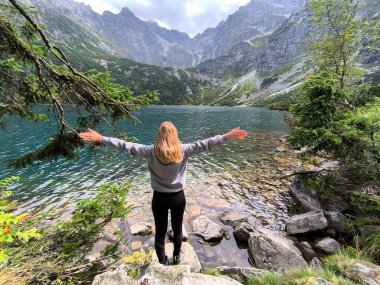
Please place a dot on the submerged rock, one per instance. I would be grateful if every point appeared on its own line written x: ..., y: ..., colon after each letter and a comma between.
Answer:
x: 271, y: 251
x: 141, y: 229
x: 232, y: 219
x: 307, y: 222
x: 327, y: 245
x: 207, y: 229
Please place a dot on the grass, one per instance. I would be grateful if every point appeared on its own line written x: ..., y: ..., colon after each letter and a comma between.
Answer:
x: 211, y: 271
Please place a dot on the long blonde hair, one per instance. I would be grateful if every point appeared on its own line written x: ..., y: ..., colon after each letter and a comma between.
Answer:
x: 168, y: 147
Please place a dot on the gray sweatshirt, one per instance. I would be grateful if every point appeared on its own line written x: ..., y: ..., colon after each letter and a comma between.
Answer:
x: 166, y: 177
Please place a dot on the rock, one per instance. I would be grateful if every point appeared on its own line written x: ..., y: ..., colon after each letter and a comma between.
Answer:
x: 241, y: 274
x: 271, y: 251
x: 280, y: 149
x: 364, y: 270
x: 327, y: 245
x: 338, y: 222
x: 157, y: 274
x: 307, y: 251
x: 189, y: 257
x: 232, y: 218
x: 114, y: 278
x: 243, y: 231
x: 305, y: 196
x: 316, y: 263
x: 307, y: 222
x: 217, y: 203
x: 283, y: 138
x: 207, y: 229
x: 185, y: 236
x: 141, y: 229
x: 321, y: 281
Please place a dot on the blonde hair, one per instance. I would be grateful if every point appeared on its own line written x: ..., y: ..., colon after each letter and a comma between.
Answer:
x: 168, y: 147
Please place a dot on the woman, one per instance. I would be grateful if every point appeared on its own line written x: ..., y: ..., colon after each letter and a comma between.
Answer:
x: 167, y: 165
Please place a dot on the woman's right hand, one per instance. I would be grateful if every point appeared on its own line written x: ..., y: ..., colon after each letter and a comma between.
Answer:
x: 237, y: 134
x: 91, y: 136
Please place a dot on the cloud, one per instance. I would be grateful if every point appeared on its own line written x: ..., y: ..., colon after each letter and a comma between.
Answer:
x: 190, y: 16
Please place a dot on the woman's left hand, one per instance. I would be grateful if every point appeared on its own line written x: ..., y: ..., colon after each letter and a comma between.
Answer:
x: 91, y: 136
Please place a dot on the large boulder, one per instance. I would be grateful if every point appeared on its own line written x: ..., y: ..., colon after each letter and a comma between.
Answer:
x: 327, y: 245
x: 114, y: 278
x: 243, y: 231
x: 241, y: 274
x: 207, y: 229
x: 232, y: 219
x: 307, y: 222
x: 158, y: 274
x: 188, y: 256
x: 271, y: 251
x: 338, y: 222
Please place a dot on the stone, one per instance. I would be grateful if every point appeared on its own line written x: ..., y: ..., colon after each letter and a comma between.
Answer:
x: 141, y: 229
x: 338, y: 222
x: 119, y: 277
x: 307, y: 222
x: 272, y: 251
x: 307, y: 251
x: 363, y: 270
x: 327, y: 245
x: 316, y: 263
x: 217, y: 203
x: 241, y: 274
x: 185, y: 236
x: 280, y: 149
x: 157, y: 274
x: 189, y: 257
x: 243, y: 231
x: 321, y: 281
x: 207, y: 229
x: 232, y: 219
x: 305, y: 196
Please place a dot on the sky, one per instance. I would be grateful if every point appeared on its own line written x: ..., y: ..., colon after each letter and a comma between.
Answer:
x: 190, y: 16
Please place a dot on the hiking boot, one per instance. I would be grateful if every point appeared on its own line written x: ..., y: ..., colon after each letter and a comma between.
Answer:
x: 165, y: 262
x: 177, y: 258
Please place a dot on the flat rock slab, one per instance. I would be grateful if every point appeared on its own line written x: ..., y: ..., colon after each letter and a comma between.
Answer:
x: 271, y: 251
x: 307, y: 222
x: 141, y: 229
x: 241, y: 274
x: 189, y: 257
x: 157, y: 274
x: 114, y: 278
x: 207, y: 229
x: 232, y: 219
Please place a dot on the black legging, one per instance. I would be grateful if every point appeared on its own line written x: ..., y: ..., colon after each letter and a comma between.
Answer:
x: 161, y: 203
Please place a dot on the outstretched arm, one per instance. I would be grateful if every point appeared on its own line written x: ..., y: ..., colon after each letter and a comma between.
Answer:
x: 142, y: 150
x: 207, y: 144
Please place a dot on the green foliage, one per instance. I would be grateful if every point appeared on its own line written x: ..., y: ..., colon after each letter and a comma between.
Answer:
x: 372, y: 245
x: 137, y: 260
x: 270, y: 278
x: 11, y: 228
x: 64, y: 244
x: 211, y: 271
x: 369, y: 201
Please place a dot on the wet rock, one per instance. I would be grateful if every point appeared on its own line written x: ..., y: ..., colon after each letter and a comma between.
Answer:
x: 307, y: 251
x: 321, y: 281
x: 241, y: 274
x: 307, y: 222
x: 305, y: 196
x: 327, y: 245
x: 271, y: 251
x: 185, y: 236
x: 114, y: 278
x: 232, y: 218
x: 242, y: 231
x: 141, y: 229
x: 180, y: 275
x: 188, y: 256
x: 316, y: 263
x: 338, y: 222
x: 207, y: 229
x: 194, y: 211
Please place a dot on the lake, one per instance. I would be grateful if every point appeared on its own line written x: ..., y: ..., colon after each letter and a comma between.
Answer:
x: 239, y: 176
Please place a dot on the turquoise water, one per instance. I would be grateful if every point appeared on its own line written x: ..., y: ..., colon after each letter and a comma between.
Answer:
x: 55, y: 183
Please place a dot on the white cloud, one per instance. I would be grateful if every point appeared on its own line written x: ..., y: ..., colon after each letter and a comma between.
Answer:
x: 190, y: 16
